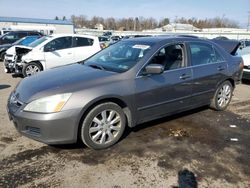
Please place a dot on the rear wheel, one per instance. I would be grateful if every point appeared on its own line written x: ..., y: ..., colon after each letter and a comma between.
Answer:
x: 222, y: 97
x: 31, y: 69
x: 103, y: 126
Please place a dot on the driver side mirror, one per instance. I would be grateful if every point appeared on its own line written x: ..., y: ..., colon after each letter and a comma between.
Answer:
x: 153, y: 69
x: 49, y: 49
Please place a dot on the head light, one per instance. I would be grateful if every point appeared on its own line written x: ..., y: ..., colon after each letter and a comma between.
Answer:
x: 49, y: 104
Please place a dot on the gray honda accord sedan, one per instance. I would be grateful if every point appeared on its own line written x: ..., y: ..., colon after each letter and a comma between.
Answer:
x: 131, y: 82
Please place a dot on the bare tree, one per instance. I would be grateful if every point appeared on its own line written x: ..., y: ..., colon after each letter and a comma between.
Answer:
x: 141, y: 23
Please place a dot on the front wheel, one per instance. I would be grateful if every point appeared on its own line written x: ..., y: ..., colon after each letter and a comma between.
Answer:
x: 103, y: 126
x: 222, y: 97
x: 31, y: 69
x: 2, y: 55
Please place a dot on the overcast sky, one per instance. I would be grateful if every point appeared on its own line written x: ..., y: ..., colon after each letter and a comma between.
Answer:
x: 232, y: 9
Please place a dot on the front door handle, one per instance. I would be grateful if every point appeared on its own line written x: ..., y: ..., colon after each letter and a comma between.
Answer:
x: 185, y: 76
x: 220, y: 68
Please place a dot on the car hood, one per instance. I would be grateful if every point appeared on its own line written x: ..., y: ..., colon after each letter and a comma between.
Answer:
x: 11, y: 50
x: 24, y: 47
x: 66, y: 79
x: 5, y: 46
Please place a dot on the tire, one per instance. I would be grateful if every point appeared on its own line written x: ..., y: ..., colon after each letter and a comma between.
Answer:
x: 30, y: 69
x: 222, y: 97
x: 103, y: 126
x: 2, y: 55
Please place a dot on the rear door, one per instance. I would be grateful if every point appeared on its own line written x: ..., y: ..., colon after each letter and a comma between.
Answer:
x: 209, y: 69
x: 83, y: 48
x: 171, y: 91
x: 59, y: 52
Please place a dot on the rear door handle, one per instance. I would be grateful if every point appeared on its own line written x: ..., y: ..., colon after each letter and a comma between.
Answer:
x: 185, y: 76
x: 220, y: 68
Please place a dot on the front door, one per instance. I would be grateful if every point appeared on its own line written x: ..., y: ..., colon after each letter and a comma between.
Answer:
x: 168, y: 92
x: 59, y: 52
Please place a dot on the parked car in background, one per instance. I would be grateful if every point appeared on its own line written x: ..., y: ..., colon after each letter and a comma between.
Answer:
x: 13, y: 36
x: 10, y: 55
x: 53, y: 51
x: 104, y: 41
x: 245, y: 54
x: 245, y: 43
x: 246, y: 70
x: 128, y: 83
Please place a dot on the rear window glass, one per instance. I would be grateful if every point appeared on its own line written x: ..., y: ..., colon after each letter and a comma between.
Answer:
x: 81, y: 41
x: 202, y: 53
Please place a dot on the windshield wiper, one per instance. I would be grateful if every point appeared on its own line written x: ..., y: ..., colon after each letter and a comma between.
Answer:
x: 97, y: 67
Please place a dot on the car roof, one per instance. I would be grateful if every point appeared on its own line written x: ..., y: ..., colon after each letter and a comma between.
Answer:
x: 21, y: 31
x: 164, y: 38
x: 73, y: 35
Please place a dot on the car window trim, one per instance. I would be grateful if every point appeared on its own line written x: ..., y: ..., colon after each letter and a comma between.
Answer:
x: 193, y: 66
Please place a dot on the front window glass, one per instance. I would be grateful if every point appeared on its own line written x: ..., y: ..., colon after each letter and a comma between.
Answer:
x: 119, y: 57
x: 60, y: 43
x: 170, y: 57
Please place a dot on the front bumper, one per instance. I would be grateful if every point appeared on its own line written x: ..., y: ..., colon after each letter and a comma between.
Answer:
x: 53, y: 128
x: 9, y: 66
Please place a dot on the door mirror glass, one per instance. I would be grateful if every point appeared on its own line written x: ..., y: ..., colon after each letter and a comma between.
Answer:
x: 153, y: 69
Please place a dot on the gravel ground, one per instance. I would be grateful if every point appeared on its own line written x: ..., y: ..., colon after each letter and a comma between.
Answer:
x: 150, y: 155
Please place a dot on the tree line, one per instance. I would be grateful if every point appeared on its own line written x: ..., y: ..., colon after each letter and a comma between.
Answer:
x: 142, y: 23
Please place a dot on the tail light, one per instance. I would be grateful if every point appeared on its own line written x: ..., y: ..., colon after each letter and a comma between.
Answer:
x: 241, y: 66
x: 102, y: 45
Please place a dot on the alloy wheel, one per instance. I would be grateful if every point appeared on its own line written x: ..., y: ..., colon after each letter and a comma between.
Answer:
x: 31, y: 70
x: 105, y: 127
x: 224, y: 95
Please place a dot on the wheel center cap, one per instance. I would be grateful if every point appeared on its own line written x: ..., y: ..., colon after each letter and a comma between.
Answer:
x: 105, y: 126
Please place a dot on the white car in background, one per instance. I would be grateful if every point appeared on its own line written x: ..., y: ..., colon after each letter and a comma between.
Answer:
x: 246, y: 69
x: 53, y: 51
x: 245, y: 54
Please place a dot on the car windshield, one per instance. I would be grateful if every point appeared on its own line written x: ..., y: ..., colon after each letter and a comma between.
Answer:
x: 38, y: 41
x: 19, y: 41
x: 119, y: 57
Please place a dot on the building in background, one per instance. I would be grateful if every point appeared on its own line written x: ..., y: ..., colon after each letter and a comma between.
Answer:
x: 45, y: 26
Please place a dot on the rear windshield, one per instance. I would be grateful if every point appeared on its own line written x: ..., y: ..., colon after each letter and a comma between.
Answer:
x: 120, y: 57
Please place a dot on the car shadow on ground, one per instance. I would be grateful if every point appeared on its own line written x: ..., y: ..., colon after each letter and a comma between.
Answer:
x: 165, y: 119
x: 17, y: 76
x: 4, y: 86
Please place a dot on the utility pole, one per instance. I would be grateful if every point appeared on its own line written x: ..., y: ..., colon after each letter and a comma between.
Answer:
x: 248, y: 22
